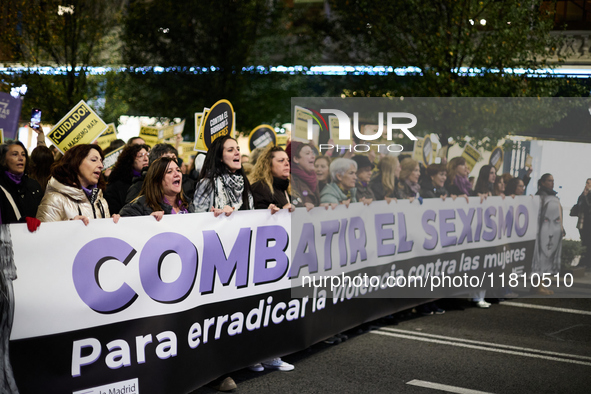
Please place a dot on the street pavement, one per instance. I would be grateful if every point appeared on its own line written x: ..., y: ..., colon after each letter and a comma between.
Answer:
x: 524, y: 345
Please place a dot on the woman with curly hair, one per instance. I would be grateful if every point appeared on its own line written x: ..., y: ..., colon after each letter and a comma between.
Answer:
x: 129, y: 164
x: 270, y: 180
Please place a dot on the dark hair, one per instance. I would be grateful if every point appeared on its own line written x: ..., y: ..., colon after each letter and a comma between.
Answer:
x: 543, y: 179
x: 160, y: 150
x: 214, y: 167
x: 130, y: 141
x: 124, y: 165
x: 483, y: 186
x: 41, y: 161
x: 511, y: 186
x: 435, y: 169
x: 66, y: 170
x: 4, y: 150
x: 114, y: 145
x: 152, y: 187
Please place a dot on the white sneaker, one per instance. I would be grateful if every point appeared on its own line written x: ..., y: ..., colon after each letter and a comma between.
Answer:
x: 257, y: 367
x: 278, y: 364
x: 483, y: 304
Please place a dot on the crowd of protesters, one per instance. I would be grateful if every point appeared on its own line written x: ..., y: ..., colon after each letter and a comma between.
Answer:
x: 149, y: 181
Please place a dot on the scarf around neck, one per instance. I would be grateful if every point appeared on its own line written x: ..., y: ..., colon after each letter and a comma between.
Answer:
x: 308, y: 178
x: 414, y: 186
x: 14, y: 177
x: 228, y: 189
x: 463, y: 184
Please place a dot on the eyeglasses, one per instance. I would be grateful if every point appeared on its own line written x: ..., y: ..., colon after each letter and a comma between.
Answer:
x: 140, y: 155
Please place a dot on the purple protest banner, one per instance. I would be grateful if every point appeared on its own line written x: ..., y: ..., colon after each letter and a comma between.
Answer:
x: 10, y: 111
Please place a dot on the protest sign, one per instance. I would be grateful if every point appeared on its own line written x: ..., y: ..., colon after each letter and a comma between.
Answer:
x: 261, y: 136
x: 10, y: 112
x: 80, y: 126
x: 108, y: 136
x: 217, y: 122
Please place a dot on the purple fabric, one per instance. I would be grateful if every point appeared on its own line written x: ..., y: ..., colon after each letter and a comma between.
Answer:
x: 14, y: 177
x: 89, y: 190
x: 135, y: 173
x: 463, y: 184
x: 414, y: 186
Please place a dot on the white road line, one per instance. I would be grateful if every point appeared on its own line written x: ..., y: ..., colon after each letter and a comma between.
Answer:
x: 491, y: 344
x: 444, y: 387
x: 547, y: 308
x: 490, y: 349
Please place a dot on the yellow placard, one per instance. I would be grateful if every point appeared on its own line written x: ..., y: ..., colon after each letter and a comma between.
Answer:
x: 150, y: 135
x: 1, y: 136
x: 496, y: 158
x: 471, y: 155
x: 186, y: 150
x: 282, y: 140
x: 80, y: 126
x: 198, y: 120
x: 417, y: 151
x: 428, y: 153
x: 300, y: 118
x: 108, y: 136
x: 166, y: 132
x: 111, y: 158
x: 528, y: 161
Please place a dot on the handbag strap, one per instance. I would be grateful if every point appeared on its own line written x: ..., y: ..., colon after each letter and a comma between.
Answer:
x: 11, y: 201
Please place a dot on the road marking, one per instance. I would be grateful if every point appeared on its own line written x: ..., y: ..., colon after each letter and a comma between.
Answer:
x: 444, y: 387
x: 547, y: 308
x: 489, y: 344
x: 498, y: 349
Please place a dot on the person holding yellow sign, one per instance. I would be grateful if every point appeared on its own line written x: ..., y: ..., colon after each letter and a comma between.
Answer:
x: 75, y: 191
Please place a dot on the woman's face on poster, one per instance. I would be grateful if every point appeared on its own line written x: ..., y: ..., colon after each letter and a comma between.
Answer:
x: 550, y: 229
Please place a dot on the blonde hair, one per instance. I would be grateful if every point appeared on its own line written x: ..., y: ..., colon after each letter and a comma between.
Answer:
x: 263, y: 169
x: 407, y: 166
x: 452, y: 168
x: 387, y: 167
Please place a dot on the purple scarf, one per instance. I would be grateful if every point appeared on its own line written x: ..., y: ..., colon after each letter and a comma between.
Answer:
x: 14, y: 177
x: 308, y: 178
x: 463, y: 184
x: 414, y: 186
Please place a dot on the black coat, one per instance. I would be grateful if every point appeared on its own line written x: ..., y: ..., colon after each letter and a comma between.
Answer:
x: 139, y: 207
x: 428, y: 190
x: 27, y: 196
x: 115, y: 195
x: 263, y: 197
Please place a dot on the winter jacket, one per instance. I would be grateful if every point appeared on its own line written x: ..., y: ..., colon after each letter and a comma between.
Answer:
x: 364, y: 191
x: 263, y: 197
x: 139, y: 207
x: 428, y: 190
x: 333, y: 194
x: 26, y: 195
x: 62, y: 202
x: 115, y: 195
x: 302, y: 193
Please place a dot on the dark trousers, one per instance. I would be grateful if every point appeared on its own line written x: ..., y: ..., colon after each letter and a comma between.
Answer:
x: 586, y: 241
